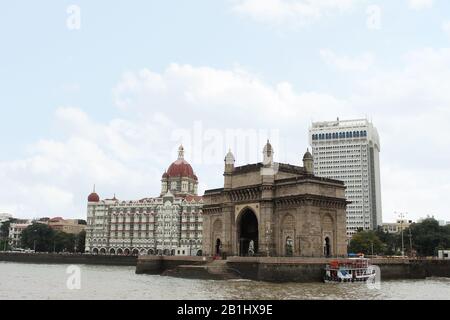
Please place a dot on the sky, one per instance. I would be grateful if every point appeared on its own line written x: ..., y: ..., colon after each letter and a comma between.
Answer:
x: 103, y: 92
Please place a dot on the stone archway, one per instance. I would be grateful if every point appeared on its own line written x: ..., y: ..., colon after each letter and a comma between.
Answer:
x: 218, y: 247
x: 248, y: 233
x: 327, y: 247
x: 217, y: 237
x: 289, y: 247
x: 328, y: 235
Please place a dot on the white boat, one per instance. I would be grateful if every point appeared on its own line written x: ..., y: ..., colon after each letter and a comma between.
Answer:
x: 350, y: 270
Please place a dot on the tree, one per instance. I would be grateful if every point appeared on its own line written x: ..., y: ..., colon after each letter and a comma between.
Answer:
x: 38, y: 236
x: 428, y: 237
x: 64, y: 242
x: 81, y: 241
x: 391, y: 242
x: 366, y: 242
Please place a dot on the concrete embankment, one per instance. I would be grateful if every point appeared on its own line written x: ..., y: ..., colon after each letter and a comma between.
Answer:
x: 54, y: 258
x: 312, y: 270
x: 161, y: 264
x: 269, y: 269
x: 281, y: 269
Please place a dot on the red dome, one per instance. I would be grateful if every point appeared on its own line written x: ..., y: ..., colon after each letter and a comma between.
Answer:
x: 181, y: 168
x: 165, y: 175
x: 93, y: 197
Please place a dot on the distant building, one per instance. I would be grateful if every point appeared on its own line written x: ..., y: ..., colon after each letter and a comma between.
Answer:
x: 15, y: 232
x: 171, y: 224
x: 349, y: 151
x: 397, y: 226
x: 71, y: 226
x: 444, y: 254
x: 442, y: 223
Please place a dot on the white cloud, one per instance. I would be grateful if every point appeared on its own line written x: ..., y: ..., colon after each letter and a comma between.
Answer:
x: 57, y: 176
x: 446, y: 27
x: 127, y: 155
x: 346, y: 63
x: 196, y: 93
x: 420, y: 4
x: 296, y: 12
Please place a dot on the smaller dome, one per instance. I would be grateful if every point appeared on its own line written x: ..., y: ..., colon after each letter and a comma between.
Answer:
x: 93, y: 197
x: 308, y: 155
x: 165, y: 175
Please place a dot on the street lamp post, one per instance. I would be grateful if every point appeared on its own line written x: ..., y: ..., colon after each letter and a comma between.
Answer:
x: 410, y: 240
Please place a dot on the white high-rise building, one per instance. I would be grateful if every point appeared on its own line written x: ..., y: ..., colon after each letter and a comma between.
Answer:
x: 349, y: 151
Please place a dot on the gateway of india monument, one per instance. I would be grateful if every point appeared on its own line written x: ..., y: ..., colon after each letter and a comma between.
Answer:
x: 275, y: 209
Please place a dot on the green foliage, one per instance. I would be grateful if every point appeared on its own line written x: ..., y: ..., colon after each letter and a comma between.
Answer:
x: 38, y: 236
x: 81, y: 241
x: 64, y: 242
x: 366, y: 242
x: 4, y: 245
x: 391, y: 242
x: 48, y: 240
x: 428, y: 237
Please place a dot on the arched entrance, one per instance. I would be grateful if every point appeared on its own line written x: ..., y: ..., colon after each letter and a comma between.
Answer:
x: 327, y: 247
x: 289, y: 247
x: 218, y: 245
x: 248, y: 233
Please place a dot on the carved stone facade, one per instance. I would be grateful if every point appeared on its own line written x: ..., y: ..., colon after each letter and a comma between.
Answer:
x: 277, y: 209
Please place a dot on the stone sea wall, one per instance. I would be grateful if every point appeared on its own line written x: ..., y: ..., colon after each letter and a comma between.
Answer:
x: 260, y: 269
x: 160, y: 264
x: 312, y: 270
x: 54, y: 258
